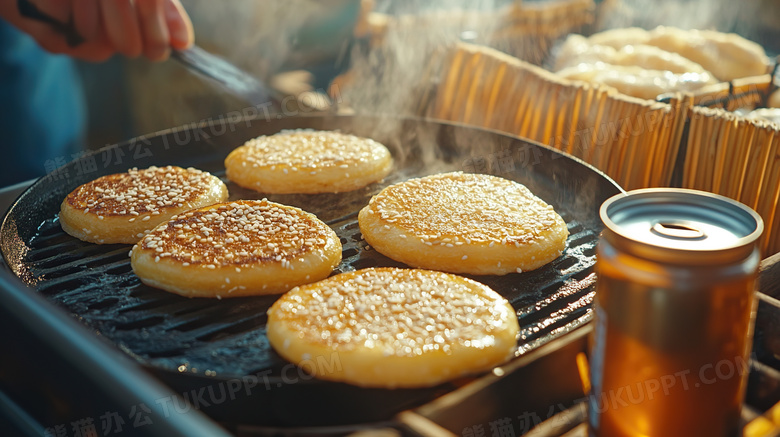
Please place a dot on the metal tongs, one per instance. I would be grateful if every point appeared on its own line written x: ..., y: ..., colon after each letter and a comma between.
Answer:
x: 195, y: 59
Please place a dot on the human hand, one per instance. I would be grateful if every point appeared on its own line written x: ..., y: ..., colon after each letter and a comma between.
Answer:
x: 130, y: 27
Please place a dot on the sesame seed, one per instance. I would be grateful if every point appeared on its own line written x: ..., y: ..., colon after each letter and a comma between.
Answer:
x: 452, y: 209
x: 138, y: 191
x: 240, y: 233
x: 399, y: 311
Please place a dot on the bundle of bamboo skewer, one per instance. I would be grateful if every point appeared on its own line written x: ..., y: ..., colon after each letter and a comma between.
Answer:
x: 634, y: 141
x: 747, y: 92
x: 738, y: 158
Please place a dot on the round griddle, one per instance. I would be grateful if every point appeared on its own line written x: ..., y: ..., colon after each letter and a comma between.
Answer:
x: 202, y: 344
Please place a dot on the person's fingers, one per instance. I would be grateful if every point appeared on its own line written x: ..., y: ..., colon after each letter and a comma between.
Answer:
x: 86, y: 17
x: 47, y: 38
x: 154, y: 29
x: 120, y: 23
x: 52, y: 41
x: 99, y: 50
x: 57, y: 9
x: 179, y: 25
x: 96, y: 53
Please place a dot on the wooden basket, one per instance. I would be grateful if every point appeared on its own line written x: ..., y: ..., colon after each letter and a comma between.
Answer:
x: 524, y: 30
x: 535, y: 27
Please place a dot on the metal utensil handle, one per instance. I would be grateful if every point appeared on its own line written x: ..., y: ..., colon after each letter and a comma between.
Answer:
x: 68, y: 30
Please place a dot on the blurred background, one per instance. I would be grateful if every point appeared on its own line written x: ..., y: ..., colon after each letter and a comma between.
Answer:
x: 300, y: 45
x: 128, y: 98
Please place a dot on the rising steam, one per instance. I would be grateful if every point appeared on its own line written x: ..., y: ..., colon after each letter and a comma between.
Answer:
x: 392, y: 74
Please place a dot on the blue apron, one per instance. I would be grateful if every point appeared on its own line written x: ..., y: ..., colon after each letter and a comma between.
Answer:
x: 42, y: 109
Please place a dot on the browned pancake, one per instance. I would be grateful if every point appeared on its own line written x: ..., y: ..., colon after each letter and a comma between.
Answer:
x: 464, y: 223
x: 308, y: 161
x: 392, y: 328
x: 247, y: 247
x: 123, y: 207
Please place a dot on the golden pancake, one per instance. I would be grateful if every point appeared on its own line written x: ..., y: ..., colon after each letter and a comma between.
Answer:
x: 620, y: 37
x: 578, y: 50
x: 727, y: 56
x: 242, y: 248
x: 464, y: 223
x: 391, y: 328
x: 123, y: 207
x: 308, y: 161
x: 637, y: 81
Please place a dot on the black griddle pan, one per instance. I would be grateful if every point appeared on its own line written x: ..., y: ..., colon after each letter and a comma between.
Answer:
x: 197, y: 345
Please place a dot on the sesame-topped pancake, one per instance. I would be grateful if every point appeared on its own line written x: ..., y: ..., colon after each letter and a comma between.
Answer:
x: 123, y: 207
x: 241, y: 248
x: 308, y: 161
x: 393, y: 327
x: 464, y: 223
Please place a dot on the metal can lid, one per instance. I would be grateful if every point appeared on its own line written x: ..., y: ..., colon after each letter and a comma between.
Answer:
x: 680, y: 225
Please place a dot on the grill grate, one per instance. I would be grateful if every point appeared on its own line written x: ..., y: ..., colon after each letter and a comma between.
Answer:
x: 192, y: 342
x: 97, y: 285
